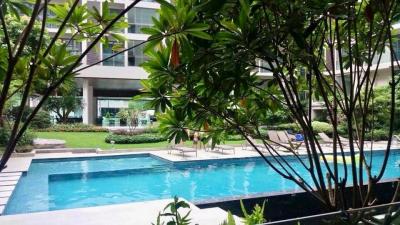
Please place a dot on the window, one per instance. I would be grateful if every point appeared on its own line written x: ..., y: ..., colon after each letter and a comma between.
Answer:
x: 50, y: 15
x: 396, y: 46
x: 135, y: 55
x: 115, y: 13
x: 117, y: 60
x: 74, y: 47
x: 264, y: 66
x: 139, y: 18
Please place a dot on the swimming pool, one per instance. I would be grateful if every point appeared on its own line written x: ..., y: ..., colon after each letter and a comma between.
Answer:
x: 83, y: 182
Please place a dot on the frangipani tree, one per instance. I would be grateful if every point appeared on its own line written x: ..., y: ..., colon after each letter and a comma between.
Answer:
x: 43, y: 67
x: 208, y: 82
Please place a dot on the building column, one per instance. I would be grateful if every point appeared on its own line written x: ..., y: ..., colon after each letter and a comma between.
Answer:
x: 87, y: 96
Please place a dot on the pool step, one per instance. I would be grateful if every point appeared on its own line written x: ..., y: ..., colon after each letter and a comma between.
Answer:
x: 8, y: 181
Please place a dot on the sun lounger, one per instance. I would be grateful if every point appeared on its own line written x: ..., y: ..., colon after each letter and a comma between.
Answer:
x: 181, y: 149
x: 184, y: 150
x: 258, y: 145
x: 285, y: 141
x: 329, y: 141
x: 325, y: 138
x: 221, y: 148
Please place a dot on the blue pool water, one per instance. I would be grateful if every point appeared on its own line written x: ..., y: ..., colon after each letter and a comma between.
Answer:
x: 83, y: 182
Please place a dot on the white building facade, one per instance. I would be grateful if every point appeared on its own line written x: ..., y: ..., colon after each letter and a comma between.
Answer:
x: 107, y: 87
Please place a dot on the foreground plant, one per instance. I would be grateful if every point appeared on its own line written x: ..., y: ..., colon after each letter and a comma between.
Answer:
x: 208, y: 83
x: 171, y: 211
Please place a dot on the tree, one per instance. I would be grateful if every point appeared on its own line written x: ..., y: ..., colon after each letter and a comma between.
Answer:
x: 207, y: 82
x: 43, y: 67
x: 131, y: 114
x: 63, y: 104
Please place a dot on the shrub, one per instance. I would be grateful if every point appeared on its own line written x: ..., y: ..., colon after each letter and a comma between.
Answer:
x: 26, y: 139
x: 287, y: 126
x: 378, y: 135
x: 322, y: 127
x: 75, y: 127
x: 134, y: 139
x: 234, y: 137
x: 278, y: 117
x: 42, y: 120
x: 152, y: 130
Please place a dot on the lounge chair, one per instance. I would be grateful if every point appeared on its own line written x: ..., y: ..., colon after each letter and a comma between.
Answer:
x: 325, y: 138
x: 285, y: 141
x: 221, y: 148
x: 181, y: 149
x: 261, y: 147
x: 329, y: 141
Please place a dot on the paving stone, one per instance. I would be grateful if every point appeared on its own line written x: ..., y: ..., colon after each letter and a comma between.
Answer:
x: 5, y: 194
x: 7, y: 188
x: 11, y: 174
x: 3, y: 201
x: 10, y: 178
x: 8, y: 183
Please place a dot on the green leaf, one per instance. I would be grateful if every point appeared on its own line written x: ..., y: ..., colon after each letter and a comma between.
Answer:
x: 201, y: 34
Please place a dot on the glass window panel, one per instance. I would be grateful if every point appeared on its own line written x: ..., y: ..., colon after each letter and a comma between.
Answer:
x: 117, y: 60
x: 264, y: 67
x: 116, y: 12
x: 74, y: 47
x: 136, y: 55
x: 139, y: 18
x: 397, y: 47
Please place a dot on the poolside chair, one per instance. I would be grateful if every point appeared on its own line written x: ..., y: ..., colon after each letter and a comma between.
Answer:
x: 218, y: 147
x: 261, y: 147
x: 325, y: 138
x: 285, y: 141
x: 181, y: 149
x: 329, y: 141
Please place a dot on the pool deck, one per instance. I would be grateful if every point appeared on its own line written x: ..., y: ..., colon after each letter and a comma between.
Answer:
x: 120, y: 214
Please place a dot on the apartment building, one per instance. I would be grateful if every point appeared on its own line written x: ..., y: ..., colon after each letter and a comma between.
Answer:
x: 383, y: 75
x: 108, y: 87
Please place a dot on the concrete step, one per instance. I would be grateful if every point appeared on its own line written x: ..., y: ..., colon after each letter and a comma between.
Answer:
x: 5, y: 194
x: 9, y: 178
x: 3, y: 201
x: 10, y: 174
x: 40, y: 143
x: 8, y: 183
x: 6, y: 188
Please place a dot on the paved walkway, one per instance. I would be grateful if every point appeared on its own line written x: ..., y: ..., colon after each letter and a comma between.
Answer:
x: 138, y: 213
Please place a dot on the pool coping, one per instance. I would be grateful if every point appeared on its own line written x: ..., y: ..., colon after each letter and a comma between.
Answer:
x: 178, y: 162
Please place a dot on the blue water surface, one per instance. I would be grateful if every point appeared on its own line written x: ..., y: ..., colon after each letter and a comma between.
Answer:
x: 84, y: 182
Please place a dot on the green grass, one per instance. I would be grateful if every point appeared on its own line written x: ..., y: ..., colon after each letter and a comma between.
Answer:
x: 96, y: 140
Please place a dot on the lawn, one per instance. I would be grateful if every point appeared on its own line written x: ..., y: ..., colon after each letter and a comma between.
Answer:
x: 96, y: 140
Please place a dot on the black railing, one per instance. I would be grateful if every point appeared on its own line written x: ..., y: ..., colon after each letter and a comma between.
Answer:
x: 377, y: 211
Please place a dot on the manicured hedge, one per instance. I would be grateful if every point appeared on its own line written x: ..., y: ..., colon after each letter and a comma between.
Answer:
x: 322, y: 127
x: 286, y: 126
x: 74, y: 127
x: 234, y: 137
x: 134, y: 139
x: 378, y: 135
x: 153, y: 130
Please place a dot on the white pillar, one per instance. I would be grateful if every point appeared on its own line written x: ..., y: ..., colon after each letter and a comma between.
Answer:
x: 87, y: 95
